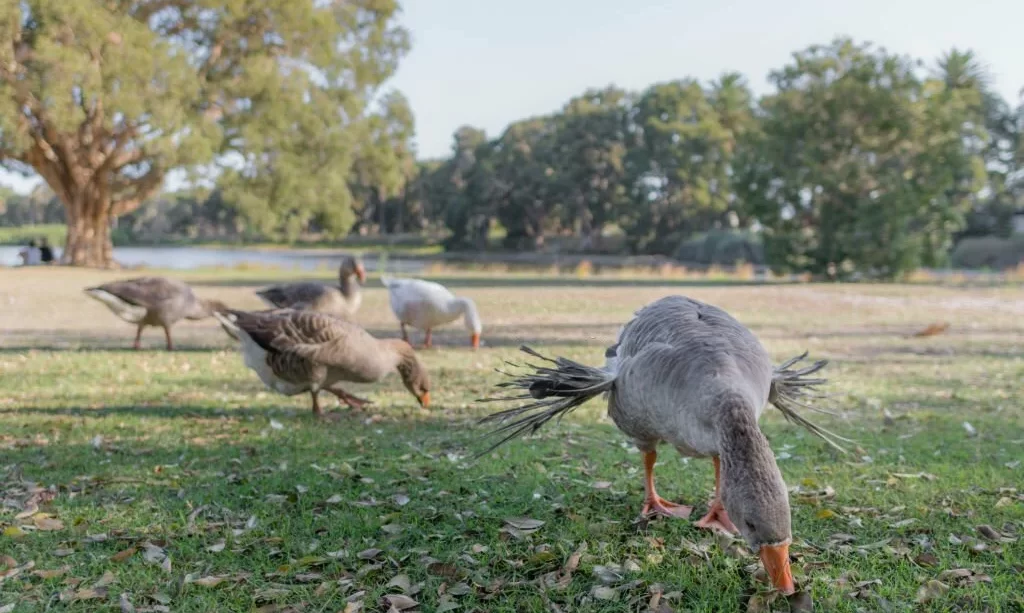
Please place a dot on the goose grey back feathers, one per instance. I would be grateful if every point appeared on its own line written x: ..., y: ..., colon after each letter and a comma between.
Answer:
x: 342, y: 300
x: 153, y: 301
x: 296, y: 351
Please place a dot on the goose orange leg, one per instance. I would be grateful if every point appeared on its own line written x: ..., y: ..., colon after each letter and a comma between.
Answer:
x: 138, y: 337
x: 426, y: 340
x: 653, y: 503
x: 405, y: 333
x: 167, y: 335
x: 316, y: 404
x: 351, y: 400
x: 717, y: 518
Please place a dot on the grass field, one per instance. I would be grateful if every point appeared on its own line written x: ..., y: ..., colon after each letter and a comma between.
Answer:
x: 154, y: 481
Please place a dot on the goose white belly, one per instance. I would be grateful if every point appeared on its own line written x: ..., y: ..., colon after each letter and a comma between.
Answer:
x: 421, y: 311
x: 125, y: 310
x: 255, y: 358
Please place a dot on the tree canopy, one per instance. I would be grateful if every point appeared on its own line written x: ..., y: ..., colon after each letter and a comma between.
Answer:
x: 858, y: 160
x: 103, y: 99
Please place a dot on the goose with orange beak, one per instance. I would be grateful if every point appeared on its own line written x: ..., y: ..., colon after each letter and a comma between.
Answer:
x: 295, y: 351
x: 687, y: 374
x: 426, y: 305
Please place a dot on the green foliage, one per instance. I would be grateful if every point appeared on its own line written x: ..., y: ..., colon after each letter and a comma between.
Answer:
x: 859, y: 164
x: 687, y: 137
x: 119, y: 93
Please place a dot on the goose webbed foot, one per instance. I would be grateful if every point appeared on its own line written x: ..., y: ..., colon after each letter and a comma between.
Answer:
x: 717, y: 519
x: 656, y: 505
x: 353, y: 401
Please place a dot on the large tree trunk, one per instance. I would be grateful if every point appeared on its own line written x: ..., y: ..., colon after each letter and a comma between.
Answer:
x: 88, y: 240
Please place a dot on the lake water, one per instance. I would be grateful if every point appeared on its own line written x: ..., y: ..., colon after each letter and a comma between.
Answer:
x: 188, y: 258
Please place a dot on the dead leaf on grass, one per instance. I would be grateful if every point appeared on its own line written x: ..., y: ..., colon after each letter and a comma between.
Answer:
x: 47, y: 523
x: 121, y: 556
x: 400, y: 602
x: 208, y: 581
x: 107, y: 578
x: 217, y: 547
x: 930, y: 591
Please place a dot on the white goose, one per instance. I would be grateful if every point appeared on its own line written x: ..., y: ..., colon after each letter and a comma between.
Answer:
x: 426, y: 305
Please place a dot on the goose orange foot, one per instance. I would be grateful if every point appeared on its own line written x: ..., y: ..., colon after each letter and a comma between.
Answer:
x: 351, y: 400
x: 717, y: 519
x: 656, y: 505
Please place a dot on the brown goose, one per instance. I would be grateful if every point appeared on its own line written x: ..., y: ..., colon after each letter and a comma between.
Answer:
x: 296, y: 351
x: 343, y: 300
x: 153, y: 301
x: 688, y: 374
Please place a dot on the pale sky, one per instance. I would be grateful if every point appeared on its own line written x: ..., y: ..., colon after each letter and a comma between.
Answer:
x: 489, y: 62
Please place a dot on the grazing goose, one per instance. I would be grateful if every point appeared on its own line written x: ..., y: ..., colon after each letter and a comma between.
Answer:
x: 343, y: 300
x: 688, y: 374
x: 296, y: 351
x: 153, y: 301
x: 426, y: 305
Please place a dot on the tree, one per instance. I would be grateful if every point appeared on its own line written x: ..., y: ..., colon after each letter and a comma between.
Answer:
x: 591, y: 163
x: 461, y: 188
x: 860, y: 164
x: 521, y: 183
x: 682, y: 161
x: 103, y: 99
x: 385, y: 161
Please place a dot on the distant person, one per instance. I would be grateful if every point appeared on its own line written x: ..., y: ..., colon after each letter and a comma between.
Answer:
x: 45, y: 252
x: 31, y: 256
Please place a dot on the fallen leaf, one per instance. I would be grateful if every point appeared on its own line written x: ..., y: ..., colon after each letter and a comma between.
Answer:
x: 369, y: 554
x: 1005, y: 501
x: 524, y: 523
x: 971, y: 431
x: 47, y: 523
x: 930, y: 591
x: 825, y: 514
x: 460, y: 589
x: 402, y: 582
x: 927, y: 560
x: 7, y: 608
x: 125, y: 604
x: 400, y: 500
x: 400, y: 602
x: 121, y: 556
x: 217, y: 547
x: 63, y: 552
x: 50, y: 574
x: 601, y: 485
x: 86, y: 594
x: 335, y: 499
x: 209, y: 581
x: 449, y: 571
x: 989, y: 532
x: 602, y: 592
x: 800, y: 602
x: 276, y: 425
x: 107, y: 578
x: 13, y: 532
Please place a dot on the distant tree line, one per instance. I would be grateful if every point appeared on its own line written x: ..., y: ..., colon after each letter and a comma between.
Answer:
x: 858, y: 160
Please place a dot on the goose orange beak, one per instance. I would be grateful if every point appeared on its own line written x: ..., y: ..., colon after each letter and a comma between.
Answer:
x: 776, y: 561
x: 424, y: 400
x: 361, y: 273
x: 475, y: 340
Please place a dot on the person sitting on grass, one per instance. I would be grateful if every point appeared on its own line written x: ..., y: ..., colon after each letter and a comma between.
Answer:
x: 45, y: 251
x: 30, y: 256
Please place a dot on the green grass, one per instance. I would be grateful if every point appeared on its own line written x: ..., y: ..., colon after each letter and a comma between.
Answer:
x: 187, y: 452
x: 21, y: 235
